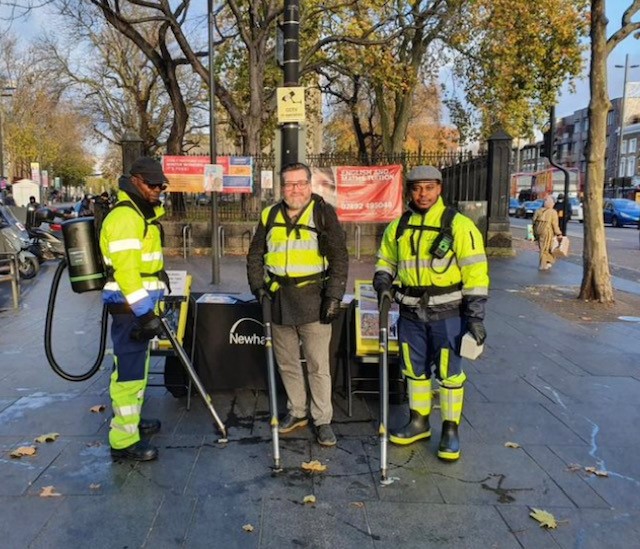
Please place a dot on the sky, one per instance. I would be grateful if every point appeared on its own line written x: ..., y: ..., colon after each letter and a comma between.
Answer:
x: 567, y: 103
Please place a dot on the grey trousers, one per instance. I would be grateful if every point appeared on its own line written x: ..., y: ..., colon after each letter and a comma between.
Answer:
x: 315, y: 338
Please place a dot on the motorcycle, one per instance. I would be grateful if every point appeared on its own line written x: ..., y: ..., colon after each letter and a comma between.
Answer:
x: 15, y: 238
x: 45, y: 244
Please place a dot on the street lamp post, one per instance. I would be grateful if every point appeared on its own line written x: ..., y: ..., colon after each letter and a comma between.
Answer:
x: 626, y: 68
x: 215, y: 244
x: 5, y: 91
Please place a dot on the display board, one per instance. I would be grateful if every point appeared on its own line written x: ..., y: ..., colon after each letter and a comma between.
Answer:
x: 367, y: 324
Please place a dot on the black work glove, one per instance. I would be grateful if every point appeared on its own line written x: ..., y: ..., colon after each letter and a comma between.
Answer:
x: 476, y: 328
x: 329, y: 310
x: 261, y: 294
x: 147, y: 327
x: 384, y: 295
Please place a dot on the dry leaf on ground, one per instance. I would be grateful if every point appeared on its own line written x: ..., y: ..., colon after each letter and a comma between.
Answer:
x: 23, y: 451
x: 248, y: 528
x: 313, y: 466
x: 573, y: 467
x: 596, y: 472
x: 309, y: 499
x: 511, y: 445
x: 357, y: 504
x: 97, y: 409
x: 49, y: 437
x: 94, y: 486
x: 544, y: 518
x: 49, y: 492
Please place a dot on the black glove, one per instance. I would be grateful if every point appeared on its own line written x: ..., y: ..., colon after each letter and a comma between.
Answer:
x: 476, y: 329
x: 329, y: 310
x: 261, y: 294
x: 147, y: 327
x: 383, y: 296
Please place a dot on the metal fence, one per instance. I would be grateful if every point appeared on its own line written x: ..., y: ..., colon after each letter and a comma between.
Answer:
x: 464, y: 178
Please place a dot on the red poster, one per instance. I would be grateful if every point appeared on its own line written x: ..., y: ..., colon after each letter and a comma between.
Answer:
x: 369, y: 194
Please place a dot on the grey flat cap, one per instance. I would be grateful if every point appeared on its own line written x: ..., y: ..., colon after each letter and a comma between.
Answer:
x: 424, y: 173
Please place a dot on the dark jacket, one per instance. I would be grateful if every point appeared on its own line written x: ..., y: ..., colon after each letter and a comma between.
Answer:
x: 293, y: 305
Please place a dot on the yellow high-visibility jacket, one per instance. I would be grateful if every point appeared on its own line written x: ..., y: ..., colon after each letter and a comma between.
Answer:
x: 442, y: 286
x: 132, y: 253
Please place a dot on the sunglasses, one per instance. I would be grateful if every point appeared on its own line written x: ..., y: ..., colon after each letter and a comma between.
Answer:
x: 161, y: 186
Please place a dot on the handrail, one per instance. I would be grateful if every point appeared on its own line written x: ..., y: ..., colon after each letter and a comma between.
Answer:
x: 186, y: 240
x: 358, y: 238
x: 221, y: 241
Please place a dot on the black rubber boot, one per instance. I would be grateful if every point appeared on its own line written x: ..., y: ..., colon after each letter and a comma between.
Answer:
x: 449, y: 449
x: 417, y: 428
x: 140, y: 451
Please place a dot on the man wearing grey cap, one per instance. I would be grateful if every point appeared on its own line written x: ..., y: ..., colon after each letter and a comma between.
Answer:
x: 437, y: 256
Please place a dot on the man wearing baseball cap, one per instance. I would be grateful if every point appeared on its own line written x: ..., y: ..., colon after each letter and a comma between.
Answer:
x: 437, y: 256
x: 131, y: 245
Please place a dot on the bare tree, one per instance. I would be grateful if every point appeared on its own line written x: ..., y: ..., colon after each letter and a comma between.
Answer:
x: 596, y: 278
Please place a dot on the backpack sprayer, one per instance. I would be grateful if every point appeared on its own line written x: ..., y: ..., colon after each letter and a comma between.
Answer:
x: 86, y: 274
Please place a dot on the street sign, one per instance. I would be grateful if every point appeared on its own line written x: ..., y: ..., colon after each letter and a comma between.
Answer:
x: 291, y: 105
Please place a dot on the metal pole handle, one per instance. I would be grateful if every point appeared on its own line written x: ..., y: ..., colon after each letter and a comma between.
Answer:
x: 271, y: 378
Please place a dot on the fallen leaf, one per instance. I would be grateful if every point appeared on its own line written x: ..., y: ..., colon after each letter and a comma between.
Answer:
x: 309, y: 499
x: 23, y: 451
x: 248, y: 528
x: 511, y: 445
x: 97, y: 409
x: 94, y: 486
x: 357, y: 504
x: 49, y: 492
x: 597, y: 472
x: 544, y: 518
x: 314, y: 466
x: 573, y: 467
x: 49, y: 437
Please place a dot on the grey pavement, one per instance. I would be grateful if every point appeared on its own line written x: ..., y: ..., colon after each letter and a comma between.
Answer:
x: 566, y: 393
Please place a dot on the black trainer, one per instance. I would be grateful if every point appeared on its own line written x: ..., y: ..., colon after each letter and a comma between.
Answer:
x: 325, y: 435
x: 149, y: 426
x: 290, y: 423
x: 449, y: 449
x: 140, y: 451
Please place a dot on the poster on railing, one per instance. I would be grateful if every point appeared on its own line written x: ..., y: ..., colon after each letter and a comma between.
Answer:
x: 368, y: 320
x: 186, y: 173
x: 369, y: 194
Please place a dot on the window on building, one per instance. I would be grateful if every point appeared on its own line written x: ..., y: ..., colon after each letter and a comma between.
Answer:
x: 623, y: 147
x: 631, y: 166
x: 585, y: 125
x: 633, y: 143
x: 622, y: 169
x: 609, y: 118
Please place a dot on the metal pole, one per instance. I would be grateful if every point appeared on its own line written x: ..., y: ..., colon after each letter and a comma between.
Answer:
x: 215, y: 252
x: 291, y: 62
x: 1, y: 145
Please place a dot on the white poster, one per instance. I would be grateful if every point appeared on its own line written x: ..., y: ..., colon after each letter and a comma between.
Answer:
x: 266, y: 179
x: 213, y: 178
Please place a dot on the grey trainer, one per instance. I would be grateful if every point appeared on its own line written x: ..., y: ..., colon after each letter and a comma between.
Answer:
x: 325, y: 435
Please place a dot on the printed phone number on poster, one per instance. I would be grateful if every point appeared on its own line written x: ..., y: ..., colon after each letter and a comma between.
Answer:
x: 367, y: 206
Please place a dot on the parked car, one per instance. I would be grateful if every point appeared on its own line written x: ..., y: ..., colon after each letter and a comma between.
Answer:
x: 203, y: 199
x: 513, y: 206
x: 577, y: 212
x: 621, y: 211
x: 527, y: 209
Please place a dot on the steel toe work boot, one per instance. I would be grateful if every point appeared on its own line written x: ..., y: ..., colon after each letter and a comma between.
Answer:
x: 149, y: 426
x: 417, y: 428
x: 449, y: 449
x: 140, y: 451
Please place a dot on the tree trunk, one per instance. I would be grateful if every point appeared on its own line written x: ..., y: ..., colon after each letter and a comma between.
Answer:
x: 596, y: 278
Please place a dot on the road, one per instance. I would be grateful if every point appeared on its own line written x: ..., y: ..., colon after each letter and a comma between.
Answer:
x: 622, y: 245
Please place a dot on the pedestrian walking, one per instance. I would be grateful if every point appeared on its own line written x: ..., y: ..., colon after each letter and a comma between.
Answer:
x: 298, y: 259
x: 437, y: 256
x: 546, y: 231
x: 131, y: 245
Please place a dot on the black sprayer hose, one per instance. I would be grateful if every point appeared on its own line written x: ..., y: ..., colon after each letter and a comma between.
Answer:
x: 47, y: 333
